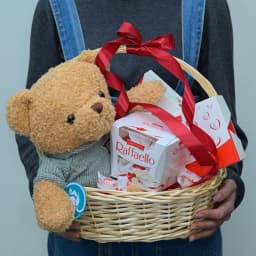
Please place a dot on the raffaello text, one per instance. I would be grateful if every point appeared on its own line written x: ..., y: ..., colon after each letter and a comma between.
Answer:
x: 133, y: 153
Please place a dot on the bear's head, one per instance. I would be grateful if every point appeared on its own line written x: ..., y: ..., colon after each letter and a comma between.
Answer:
x: 67, y: 107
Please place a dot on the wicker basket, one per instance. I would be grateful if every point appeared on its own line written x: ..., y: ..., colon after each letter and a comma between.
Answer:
x: 113, y: 216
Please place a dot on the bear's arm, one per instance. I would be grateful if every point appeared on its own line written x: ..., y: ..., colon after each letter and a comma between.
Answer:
x: 51, y: 169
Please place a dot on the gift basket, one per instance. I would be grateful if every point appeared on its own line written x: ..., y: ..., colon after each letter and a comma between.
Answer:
x: 118, y: 216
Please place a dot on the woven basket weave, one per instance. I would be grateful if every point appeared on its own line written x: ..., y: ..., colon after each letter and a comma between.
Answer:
x: 114, y: 216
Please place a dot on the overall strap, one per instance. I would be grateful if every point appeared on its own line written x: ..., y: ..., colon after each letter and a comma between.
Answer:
x: 68, y: 27
x: 192, y: 29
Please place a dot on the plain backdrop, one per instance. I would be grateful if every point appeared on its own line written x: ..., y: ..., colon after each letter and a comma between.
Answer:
x: 19, y: 234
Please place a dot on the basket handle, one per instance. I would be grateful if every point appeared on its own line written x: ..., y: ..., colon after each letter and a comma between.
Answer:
x: 202, y: 81
x: 188, y: 138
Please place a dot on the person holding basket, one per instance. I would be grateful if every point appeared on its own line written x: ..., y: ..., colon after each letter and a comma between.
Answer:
x: 203, y: 35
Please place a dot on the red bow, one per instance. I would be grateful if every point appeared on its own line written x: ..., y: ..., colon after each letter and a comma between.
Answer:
x: 197, y: 141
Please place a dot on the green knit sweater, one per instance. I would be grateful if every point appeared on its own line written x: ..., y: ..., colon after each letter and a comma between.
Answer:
x: 80, y: 165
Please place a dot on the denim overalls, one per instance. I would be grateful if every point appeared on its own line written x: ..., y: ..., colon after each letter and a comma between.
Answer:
x: 72, y: 42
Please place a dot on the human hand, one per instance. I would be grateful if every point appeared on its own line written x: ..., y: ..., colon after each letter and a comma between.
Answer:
x: 209, y: 220
x: 72, y: 233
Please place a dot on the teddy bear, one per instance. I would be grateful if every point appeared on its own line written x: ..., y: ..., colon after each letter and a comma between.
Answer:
x: 68, y: 115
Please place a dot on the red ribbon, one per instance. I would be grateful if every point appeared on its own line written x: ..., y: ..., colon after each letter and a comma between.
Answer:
x: 197, y: 141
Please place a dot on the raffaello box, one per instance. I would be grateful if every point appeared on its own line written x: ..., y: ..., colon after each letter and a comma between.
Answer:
x: 144, y: 146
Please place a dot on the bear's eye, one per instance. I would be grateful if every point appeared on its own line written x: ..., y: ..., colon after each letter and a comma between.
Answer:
x: 71, y: 118
x: 101, y: 94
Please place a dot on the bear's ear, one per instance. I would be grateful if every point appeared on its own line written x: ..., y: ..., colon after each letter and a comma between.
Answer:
x: 87, y: 56
x: 18, y: 112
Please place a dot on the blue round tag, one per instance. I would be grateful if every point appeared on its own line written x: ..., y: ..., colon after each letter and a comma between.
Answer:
x: 77, y: 194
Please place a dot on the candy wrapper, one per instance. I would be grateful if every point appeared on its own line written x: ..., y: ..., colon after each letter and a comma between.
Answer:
x: 120, y: 182
x: 112, y: 183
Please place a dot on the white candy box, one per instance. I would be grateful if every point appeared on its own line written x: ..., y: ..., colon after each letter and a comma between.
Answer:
x: 143, y: 145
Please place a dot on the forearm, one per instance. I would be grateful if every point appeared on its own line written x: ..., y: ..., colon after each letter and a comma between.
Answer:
x: 234, y: 171
x: 29, y: 158
x: 216, y: 64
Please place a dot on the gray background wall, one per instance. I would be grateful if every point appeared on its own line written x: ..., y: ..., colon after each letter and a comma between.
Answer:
x: 19, y: 234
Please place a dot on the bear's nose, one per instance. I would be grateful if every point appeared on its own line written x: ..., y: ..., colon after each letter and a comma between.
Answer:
x: 97, y: 107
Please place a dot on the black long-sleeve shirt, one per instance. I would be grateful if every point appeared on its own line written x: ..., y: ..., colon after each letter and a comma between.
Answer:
x: 100, y: 20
